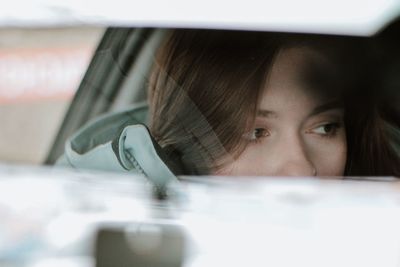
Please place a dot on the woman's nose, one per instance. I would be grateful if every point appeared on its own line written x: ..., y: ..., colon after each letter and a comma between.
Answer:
x: 298, y: 169
x: 294, y: 160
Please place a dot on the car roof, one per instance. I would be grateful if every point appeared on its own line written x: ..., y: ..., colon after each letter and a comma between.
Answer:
x: 343, y: 17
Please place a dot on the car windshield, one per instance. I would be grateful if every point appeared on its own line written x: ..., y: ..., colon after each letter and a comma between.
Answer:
x: 201, y: 102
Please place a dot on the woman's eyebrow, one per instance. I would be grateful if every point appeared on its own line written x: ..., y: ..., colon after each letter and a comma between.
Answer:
x: 317, y: 110
x: 266, y: 113
x: 327, y: 106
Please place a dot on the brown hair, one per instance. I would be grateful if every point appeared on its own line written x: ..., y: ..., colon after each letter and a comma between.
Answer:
x: 206, y: 85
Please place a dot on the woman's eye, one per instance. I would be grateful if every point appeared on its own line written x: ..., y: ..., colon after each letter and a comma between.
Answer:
x: 257, y: 133
x: 328, y: 129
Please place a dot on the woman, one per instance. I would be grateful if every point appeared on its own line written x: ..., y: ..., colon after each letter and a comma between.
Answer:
x: 271, y: 104
x: 242, y: 103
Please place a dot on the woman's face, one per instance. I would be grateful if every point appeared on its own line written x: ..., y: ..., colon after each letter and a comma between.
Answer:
x: 296, y: 132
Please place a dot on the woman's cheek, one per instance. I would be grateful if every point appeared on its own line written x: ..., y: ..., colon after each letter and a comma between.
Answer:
x: 252, y: 162
x: 329, y: 156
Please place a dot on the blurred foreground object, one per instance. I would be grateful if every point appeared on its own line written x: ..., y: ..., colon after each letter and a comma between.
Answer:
x: 356, y: 17
x: 51, y: 217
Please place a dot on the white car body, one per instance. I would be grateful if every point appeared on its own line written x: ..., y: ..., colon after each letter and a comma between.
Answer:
x: 356, y: 17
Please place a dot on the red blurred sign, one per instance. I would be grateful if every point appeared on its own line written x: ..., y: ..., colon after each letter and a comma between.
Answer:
x: 37, y: 73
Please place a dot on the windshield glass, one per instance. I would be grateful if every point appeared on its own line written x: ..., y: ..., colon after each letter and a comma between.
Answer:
x: 172, y: 102
x: 238, y: 103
